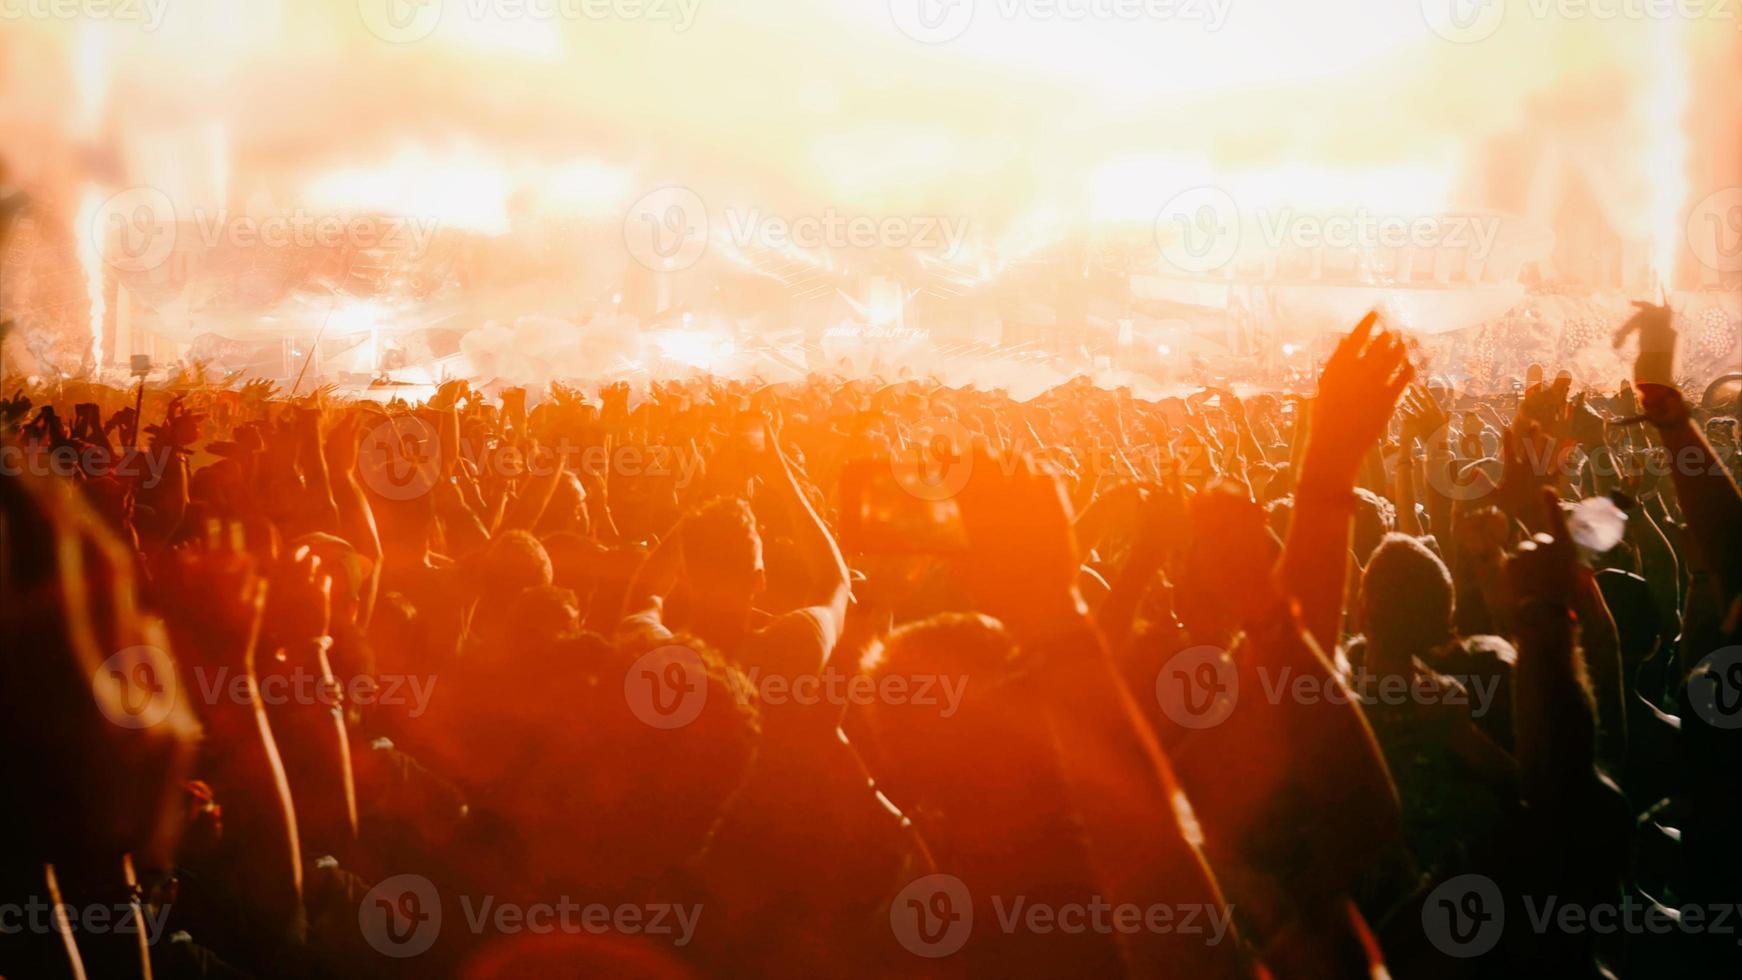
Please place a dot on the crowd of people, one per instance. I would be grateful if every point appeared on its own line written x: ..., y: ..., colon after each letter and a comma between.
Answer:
x: 851, y: 678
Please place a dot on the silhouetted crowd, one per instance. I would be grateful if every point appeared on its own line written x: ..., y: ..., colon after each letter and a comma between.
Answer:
x: 843, y: 677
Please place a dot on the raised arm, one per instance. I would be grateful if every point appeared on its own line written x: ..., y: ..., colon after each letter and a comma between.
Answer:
x: 1357, y: 392
x: 1706, y: 491
x: 827, y: 596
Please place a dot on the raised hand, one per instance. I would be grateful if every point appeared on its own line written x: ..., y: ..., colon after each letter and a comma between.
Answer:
x: 212, y: 596
x: 448, y: 395
x: 1528, y: 455
x: 1357, y: 394
x: 1422, y: 415
x: 1546, y: 404
x: 14, y: 409
x: 180, y: 428
x: 257, y: 392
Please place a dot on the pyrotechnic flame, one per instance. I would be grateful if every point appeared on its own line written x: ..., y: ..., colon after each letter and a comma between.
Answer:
x: 91, y: 64
x: 90, y: 248
x: 1667, y: 148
